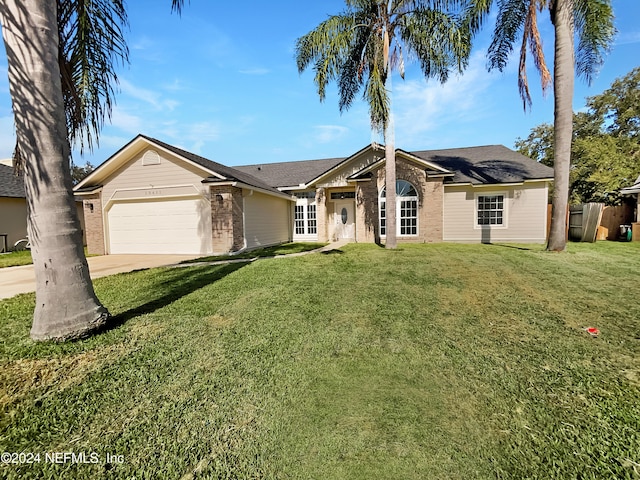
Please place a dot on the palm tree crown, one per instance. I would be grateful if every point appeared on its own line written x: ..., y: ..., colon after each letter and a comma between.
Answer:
x: 592, y: 24
x: 360, y: 47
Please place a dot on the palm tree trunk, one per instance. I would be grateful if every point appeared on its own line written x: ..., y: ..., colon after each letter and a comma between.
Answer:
x: 390, y: 174
x: 66, y: 305
x: 564, y: 72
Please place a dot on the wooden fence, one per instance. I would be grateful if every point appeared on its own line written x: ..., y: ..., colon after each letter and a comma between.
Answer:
x: 612, y: 218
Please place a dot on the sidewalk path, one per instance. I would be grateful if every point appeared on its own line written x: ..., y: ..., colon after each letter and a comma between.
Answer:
x: 15, y: 280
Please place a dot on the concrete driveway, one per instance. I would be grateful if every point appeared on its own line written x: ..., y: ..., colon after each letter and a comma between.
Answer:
x: 15, y: 280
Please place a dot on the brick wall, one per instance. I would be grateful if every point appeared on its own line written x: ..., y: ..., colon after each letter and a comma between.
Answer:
x: 227, y: 227
x: 367, y: 216
x: 430, y: 204
x: 94, y: 224
x: 321, y: 215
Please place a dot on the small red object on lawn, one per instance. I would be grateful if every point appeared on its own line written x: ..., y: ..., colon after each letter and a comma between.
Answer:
x: 594, y: 332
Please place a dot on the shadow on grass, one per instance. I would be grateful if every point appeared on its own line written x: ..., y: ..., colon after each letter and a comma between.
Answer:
x: 507, y: 246
x: 332, y: 252
x: 265, y: 252
x: 182, y: 283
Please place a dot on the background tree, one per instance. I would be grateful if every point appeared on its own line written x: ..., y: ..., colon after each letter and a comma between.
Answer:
x: 605, y: 153
x: 61, y: 57
x: 591, y: 21
x: 361, y: 47
x: 79, y: 172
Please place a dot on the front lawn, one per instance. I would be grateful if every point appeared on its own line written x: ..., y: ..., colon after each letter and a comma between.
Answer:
x: 14, y: 259
x: 272, y: 251
x: 428, y: 362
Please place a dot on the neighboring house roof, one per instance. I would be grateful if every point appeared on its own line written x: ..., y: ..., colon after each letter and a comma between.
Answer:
x: 10, y: 184
x: 491, y: 164
x: 633, y: 189
x: 291, y: 174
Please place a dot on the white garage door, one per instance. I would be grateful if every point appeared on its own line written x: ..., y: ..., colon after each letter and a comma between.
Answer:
x: 168, y: 226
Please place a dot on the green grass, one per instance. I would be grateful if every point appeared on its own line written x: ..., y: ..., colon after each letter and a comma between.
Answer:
x: 273, y: 251
x: 14, y: 259
x: 428, y: 362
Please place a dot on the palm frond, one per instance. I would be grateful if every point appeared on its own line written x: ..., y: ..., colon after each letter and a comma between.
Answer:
x: 511, y: 18
x: 177, y: 5
x: 439, y: 40
x: 377, y: 97
x: 595, y: 30
x: 327, y: 47
x: 475, y: 13
x: 531, y: 37
x: 91, y: 44
x: 354, y: 69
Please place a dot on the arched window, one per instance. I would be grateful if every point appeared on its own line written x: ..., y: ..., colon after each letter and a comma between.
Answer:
x: 406, y: 210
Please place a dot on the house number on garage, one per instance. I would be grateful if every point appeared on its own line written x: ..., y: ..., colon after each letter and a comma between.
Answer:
x: 153, y: 192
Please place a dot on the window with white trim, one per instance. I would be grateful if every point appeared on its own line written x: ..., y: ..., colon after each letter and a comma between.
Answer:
x: 490, y: 210
x: 305, y: 216
x: 299, y: 220
x: 406, y: 210
x: 312, y: 224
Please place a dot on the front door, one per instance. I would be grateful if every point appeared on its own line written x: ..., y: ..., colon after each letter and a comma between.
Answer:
x: 344, y: 220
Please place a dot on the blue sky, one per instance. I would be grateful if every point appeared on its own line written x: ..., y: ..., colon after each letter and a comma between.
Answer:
x: 221, y: 81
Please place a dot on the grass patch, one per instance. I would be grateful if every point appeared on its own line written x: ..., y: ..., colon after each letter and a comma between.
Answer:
x: 431, y: 361
x: 15, y: 259
x: 273, y: 251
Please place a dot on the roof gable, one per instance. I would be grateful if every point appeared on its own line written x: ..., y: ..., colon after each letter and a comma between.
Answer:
x: 211, y: 171
x: 11, y: 185
x: 431, y: 168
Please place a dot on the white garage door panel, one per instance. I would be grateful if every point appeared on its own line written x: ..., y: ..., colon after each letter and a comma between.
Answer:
x: 171, y: 226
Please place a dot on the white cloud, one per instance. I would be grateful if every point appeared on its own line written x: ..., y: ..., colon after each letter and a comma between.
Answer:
x: 422, y: 107
x: 329, y: 133
x: 150, y: 97
x: 122, y: 120
x: 175, y: 86
x: 191, y: 137
x: 627, y: 38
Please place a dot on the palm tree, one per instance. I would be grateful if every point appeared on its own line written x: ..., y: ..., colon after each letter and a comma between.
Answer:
x: 61, y: 58
x: 592, y: 22
x: 361, y: 47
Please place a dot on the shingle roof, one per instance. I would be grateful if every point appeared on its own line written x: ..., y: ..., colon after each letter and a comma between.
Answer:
x: 290, y: 174
x: 10, y: 184
x: 232, y: 174
x: 489, y: 164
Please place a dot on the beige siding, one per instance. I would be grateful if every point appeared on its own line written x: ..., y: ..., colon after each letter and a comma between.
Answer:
x: 266, y: 219
x: 169, y: 181
x: 169, y: 172
x: 13, y: 219
x: 525, y: 214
